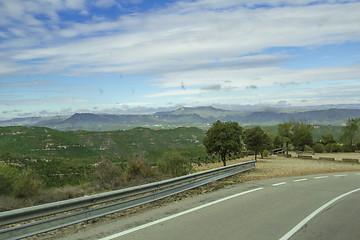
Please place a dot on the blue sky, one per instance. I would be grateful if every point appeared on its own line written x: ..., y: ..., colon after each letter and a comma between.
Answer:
x: 136, y: 56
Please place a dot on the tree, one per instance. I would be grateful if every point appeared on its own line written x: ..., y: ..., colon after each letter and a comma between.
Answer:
x: 256, y: 140
x: 301, y: 135
x: 277, y: 141
x: 268, y: 144
x: 350, y: 132
x: 284, y: 131
x: 223, y: 139
x: 327, y: 139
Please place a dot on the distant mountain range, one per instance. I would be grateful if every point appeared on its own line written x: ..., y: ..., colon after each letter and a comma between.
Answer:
x: 201, y: 117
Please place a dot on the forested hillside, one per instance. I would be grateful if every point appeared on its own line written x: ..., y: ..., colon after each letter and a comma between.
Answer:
x: 66, y: 154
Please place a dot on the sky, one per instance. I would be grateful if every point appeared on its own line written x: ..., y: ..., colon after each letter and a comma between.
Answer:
x: 58, y: 57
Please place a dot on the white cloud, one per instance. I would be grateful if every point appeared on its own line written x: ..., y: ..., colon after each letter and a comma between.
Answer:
x: 43, y: 101
x: 177, y: 92
x: 171, y: 41
x: 106, y: 3
x: 84, y: 12
x: 208, y: 46
x: 75, y: 4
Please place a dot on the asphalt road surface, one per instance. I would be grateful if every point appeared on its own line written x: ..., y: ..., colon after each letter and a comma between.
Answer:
x: 306, y: 207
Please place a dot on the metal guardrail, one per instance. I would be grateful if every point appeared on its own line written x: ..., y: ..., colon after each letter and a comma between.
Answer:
x: 89, y: 207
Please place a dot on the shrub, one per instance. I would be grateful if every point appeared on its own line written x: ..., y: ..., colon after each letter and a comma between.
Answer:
x: 357, y: 146
x: 138, y: 168
x: 174, y: 163
x: 265, y: 153
x: 318, y: 148
x: 8, y: 176
x: 328, y: 148
x: 308, y: 149
x: 107, y: 174
x: 336, y: 148
x: 347, y: 148
x: 27, y: 185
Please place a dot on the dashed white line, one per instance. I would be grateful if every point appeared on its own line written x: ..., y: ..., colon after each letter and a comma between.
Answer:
x: 340, y: 175
x: 177, y: 215
x: 278, y: 184
x: 301, y: 180
x: 320, y: 177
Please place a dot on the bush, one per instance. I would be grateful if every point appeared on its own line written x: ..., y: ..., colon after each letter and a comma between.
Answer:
x: 27, y: 185
x: 308, y: 149
x: 108, y: 175
x: 336, y: 148
x: 318, y: 148
x: 174, y: 163
x: 357, y: 146
x: 347, y: 148
x: 265, y: 153
x: 328, y: 148
x: 8, y: 176
x: 138, y: 168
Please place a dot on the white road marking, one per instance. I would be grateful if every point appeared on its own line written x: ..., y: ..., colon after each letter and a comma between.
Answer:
x: 319, y: 177
x: 313, y: 214
x: 301, y: 180
x: 340, y: 175
x: 177, y: 215
x: 278, y: 184
x: 358, y: 174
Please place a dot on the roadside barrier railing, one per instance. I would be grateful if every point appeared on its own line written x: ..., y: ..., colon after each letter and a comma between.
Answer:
x: 30, y: 221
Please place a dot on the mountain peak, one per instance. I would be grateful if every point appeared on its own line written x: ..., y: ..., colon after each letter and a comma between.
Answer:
x: 202, y: 111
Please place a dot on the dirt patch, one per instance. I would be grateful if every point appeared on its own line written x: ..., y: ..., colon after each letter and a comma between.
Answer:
x: 279, y: 166
x: 336, y: 156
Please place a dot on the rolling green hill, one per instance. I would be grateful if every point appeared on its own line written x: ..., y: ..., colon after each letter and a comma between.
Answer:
x: 49, y: 143
x: 68, y: 157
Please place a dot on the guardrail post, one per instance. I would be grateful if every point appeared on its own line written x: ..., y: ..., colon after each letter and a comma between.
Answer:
x: 85, y: 209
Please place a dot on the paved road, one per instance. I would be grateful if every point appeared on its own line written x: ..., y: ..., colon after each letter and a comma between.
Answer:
x: 307, y: 207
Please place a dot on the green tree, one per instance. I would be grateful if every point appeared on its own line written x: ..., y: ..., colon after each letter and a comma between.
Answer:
x: 301, y: 135
x: 328, y: 138
x: 284, y: 131
x: 223, y: 139
x: 256, y: 140
x: 278, y: 142
x: 350, y: 132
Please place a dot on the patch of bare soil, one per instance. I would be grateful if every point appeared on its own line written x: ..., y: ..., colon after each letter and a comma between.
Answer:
x: 279, y: 166
x: 270, y: 167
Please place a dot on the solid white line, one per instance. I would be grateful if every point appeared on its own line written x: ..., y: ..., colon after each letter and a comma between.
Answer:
x: 278, y: 184
x: 340, y: 175
x: 300, y: 180
x: 177, y: 215
x: 317, y: 211
x: 321, y: 177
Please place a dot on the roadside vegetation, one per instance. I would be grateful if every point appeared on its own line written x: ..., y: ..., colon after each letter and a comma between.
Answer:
x: 40, y: 165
